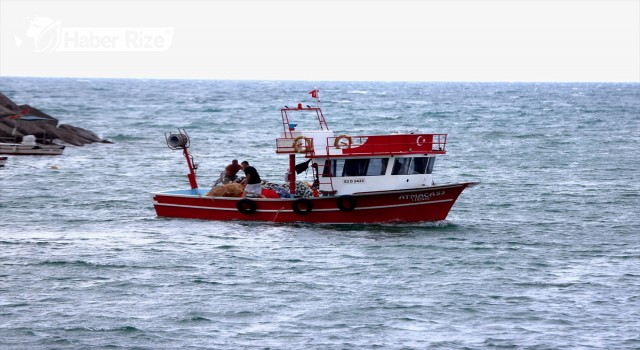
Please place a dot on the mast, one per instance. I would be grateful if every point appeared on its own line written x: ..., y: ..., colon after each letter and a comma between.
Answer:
x: 292, y: 174
x: 192, y: 172
x: 181, y: 141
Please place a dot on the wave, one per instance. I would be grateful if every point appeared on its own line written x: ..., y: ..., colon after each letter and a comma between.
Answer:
x: 123, y: 137
x: 212, y: 110
x: 125, y: 329
x: 194, y: 318
x: 84, y: 264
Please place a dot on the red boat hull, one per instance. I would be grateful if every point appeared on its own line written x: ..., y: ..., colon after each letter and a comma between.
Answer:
x: 414, y: 205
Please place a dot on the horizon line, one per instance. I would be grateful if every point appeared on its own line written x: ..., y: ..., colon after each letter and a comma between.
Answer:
x: 331, y: 80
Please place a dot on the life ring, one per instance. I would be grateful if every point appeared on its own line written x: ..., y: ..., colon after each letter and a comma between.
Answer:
x: 306, y: 204
x: 346, y: 203
x: 246, y: 206
x: 307, y: 145
x: 337, y: 144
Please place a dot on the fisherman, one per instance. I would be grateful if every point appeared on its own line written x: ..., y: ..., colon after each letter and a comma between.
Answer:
x: 230, y: 172
x: 252, y: 181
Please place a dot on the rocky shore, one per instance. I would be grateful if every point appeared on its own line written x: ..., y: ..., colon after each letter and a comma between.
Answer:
x: 17, y: 121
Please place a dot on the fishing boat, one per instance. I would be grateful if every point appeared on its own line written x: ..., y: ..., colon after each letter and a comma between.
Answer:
x: 356, y: 179
x: 30, y: 147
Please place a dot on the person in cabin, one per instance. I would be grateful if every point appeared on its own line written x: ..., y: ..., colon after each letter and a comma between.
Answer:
x: 252, y: 181
x: 230, y: 172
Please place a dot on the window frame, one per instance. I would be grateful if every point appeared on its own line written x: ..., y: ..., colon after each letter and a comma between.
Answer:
x: 353, y: 167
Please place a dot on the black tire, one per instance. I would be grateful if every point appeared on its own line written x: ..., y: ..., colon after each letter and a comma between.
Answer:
x: 346, y: 203
x: 306, y: 205
x: 246, y: 206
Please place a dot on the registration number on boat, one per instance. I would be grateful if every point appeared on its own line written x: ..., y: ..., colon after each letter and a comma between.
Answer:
x: 353, y: 181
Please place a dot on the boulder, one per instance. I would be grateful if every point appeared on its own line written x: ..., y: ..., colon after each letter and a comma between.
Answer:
x: 47, y: 129
x: 5, y: 111
x: 7, y: 104
x: 6, y: 131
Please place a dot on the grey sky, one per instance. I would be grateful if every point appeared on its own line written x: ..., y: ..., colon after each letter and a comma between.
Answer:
x: 323, y: 40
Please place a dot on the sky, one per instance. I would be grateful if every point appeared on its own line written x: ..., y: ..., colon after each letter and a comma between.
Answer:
x: 351, y: 40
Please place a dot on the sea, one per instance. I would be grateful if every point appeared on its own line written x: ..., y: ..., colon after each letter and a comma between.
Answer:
x: 544, y: 253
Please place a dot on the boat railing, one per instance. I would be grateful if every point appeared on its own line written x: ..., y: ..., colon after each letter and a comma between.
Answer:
x: 18, y: 139
x: 289, y: 127
x: 387, y: 144
x: 301, y: 145
x: 345, y: 145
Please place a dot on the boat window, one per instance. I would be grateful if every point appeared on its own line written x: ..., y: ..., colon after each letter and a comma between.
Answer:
x: 432, y: 160
x: 355, y: 167
x: 329, y: 168
x: 377, y: 166
x: 339, y: 165
x: 419, y: 165
x: 401, y: 166
x: 333, y: 168
x: 413, y: 166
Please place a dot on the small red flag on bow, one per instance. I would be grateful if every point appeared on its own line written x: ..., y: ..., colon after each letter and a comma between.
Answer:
x: 314, y: 93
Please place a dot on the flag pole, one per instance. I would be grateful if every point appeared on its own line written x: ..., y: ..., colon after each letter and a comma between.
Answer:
x: 315, y: 93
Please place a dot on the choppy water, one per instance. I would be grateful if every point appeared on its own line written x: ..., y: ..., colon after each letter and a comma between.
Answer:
x: 543, y: 254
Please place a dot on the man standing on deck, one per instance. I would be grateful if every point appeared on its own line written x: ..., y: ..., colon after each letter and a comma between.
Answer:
x: 252, y: 182
x: 230, y: 172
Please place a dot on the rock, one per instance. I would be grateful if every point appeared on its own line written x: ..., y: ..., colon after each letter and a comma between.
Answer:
x: 6, y: 131
x: 5, y: 111
x: 6, y: 103
x: 13, y: 129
